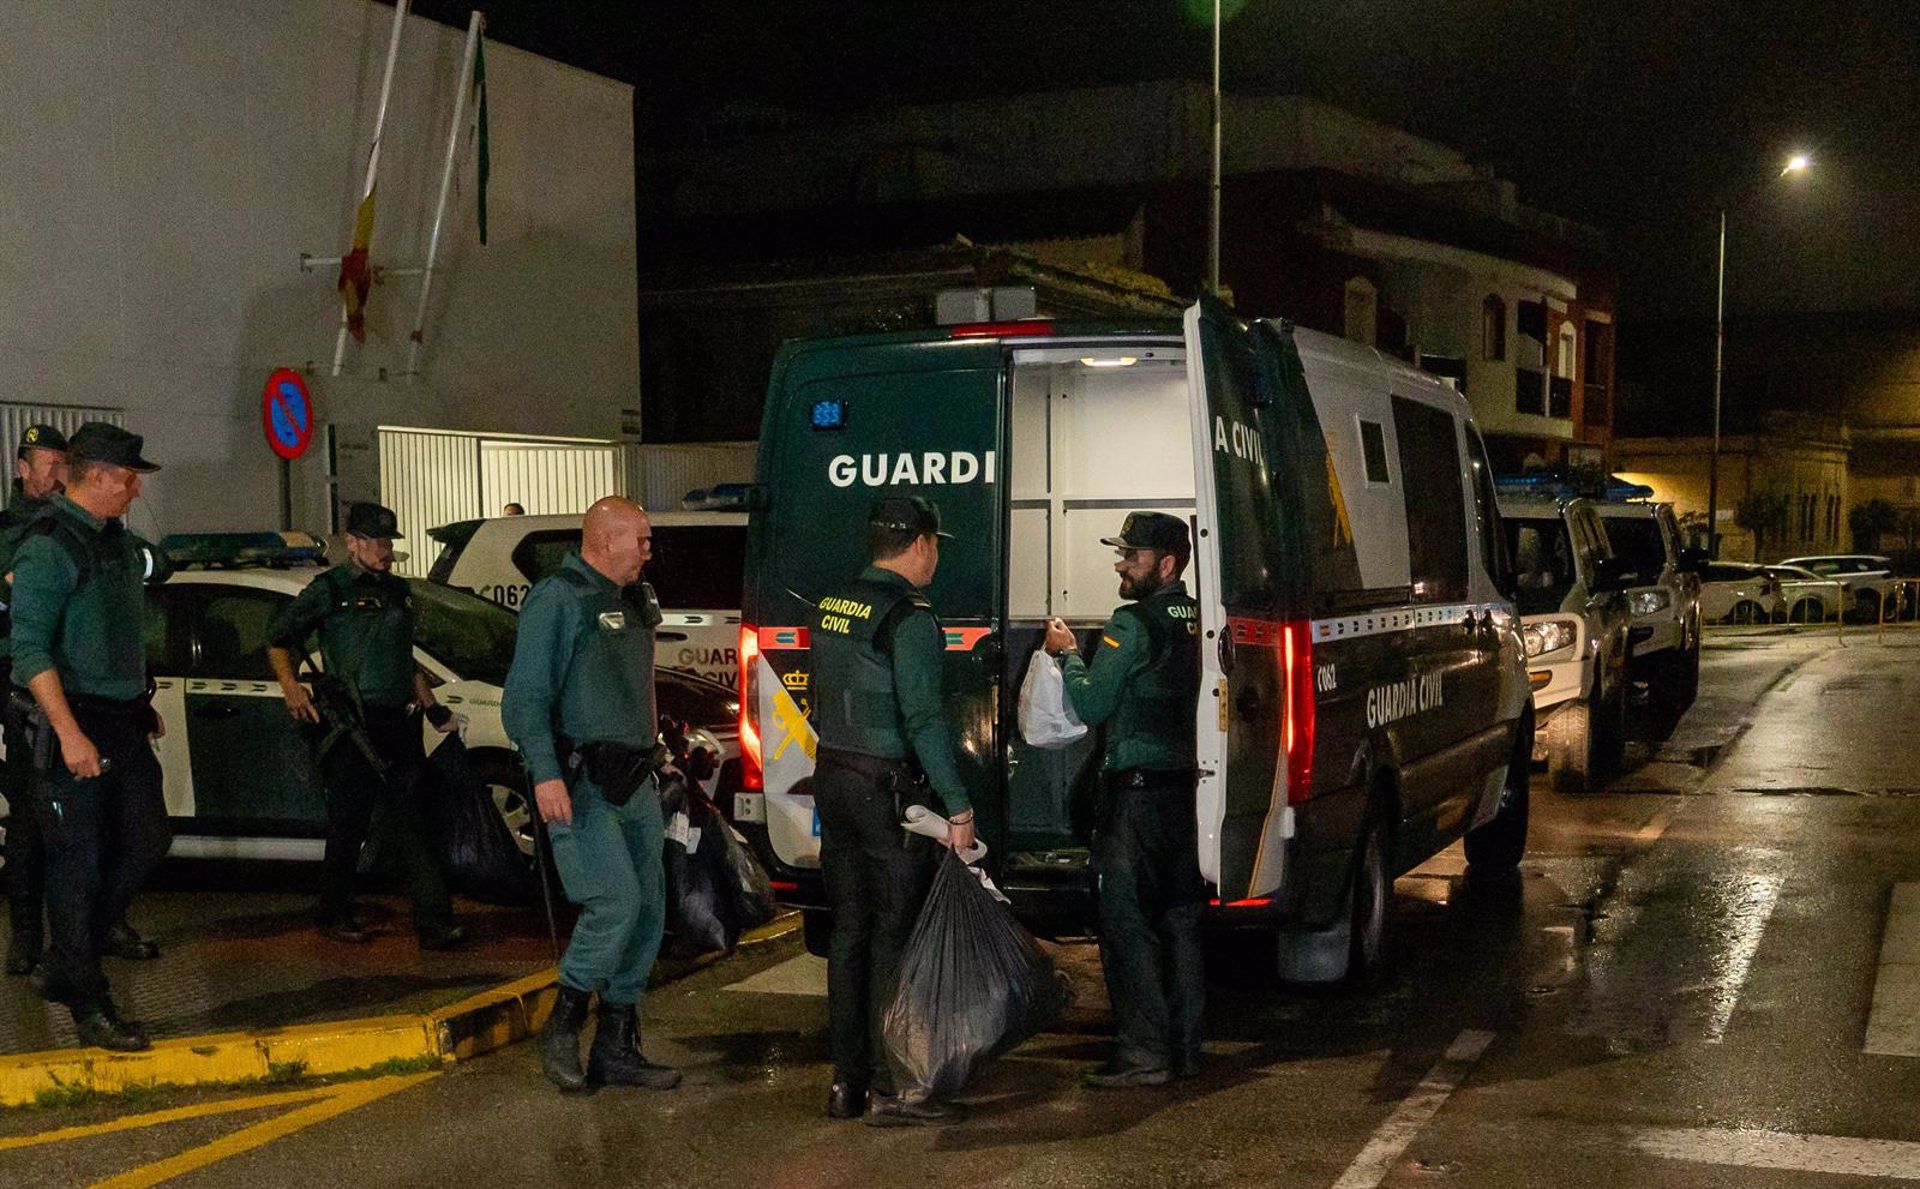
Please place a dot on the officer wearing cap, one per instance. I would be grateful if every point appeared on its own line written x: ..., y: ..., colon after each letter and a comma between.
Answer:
x: 580, y: 705
x: 1143, y: 684
x: 39, y: 474
x: 364, y: 616
x: 77, y: 646
x: 877, y: 654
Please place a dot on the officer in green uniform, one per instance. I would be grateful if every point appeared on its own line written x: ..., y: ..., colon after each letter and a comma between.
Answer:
x: 77, y: 645
x: 580, y: 706
x: 877, y: 654
x: 39, y: 474
x: 1143, y: 684
x: 365, y: 619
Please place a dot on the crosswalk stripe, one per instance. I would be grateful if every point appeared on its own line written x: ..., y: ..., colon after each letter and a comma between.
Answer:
x: 1837, y: 1154
x: 1893, y: 1028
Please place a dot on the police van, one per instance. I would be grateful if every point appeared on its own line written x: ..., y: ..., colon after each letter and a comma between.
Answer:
x: 1363, y: 699
x: 1575, y: 623
x: 695, y: 572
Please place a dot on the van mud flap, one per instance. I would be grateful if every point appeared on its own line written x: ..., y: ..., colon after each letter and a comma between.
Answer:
x: 1315, y: 955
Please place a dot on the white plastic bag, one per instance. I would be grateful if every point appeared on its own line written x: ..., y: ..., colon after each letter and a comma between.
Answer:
x: 1046, y: 717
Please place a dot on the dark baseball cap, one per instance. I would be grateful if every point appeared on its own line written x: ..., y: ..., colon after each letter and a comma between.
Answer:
x: 96, y: 441
x: 909, y: 514
x: 1152, y: 530
x: 372, y: 520
x: 42, y: 437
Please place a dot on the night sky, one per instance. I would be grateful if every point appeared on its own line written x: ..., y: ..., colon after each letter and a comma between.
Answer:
x: 1638, y: 116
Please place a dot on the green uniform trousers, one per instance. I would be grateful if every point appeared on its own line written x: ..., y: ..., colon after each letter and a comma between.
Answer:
x: 609, y: 860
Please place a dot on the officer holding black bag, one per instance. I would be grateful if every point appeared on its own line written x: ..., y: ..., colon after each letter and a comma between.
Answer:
x: 1144, y: 685
x: 368, y: 702
x: 877, y: 655
x: 580, y: 706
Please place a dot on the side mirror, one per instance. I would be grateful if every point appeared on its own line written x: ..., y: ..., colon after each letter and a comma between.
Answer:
x: 1610, y: 575
x: 1693, y: 561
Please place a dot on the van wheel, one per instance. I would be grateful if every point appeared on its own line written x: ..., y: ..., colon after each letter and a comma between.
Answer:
x: 1497, y: 846
x: 816, y: 926
x: 1370, y: 941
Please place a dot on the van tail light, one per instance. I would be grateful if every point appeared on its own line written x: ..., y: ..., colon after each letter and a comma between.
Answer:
x: 1297, y: 721
x: 1001, y: 330
x: 751, y: 772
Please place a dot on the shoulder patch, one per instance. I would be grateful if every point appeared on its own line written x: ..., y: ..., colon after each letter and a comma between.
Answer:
x: 1110, y: 642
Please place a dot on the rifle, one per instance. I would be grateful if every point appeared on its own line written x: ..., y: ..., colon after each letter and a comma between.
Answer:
x: 344, y: 719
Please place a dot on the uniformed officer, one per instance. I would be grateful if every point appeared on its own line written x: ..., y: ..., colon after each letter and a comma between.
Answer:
x: 877, y: 654
x: 580, y: 705
x: 39, y: 474
x: 77, y: 645
x: 365, y: 618
x: 1144, y: 685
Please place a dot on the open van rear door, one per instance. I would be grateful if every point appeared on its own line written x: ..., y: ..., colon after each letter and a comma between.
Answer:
x: 1256, y: 691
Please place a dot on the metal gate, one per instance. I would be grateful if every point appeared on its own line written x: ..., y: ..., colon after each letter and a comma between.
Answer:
x: 431, y: 477
x: 14, y: 419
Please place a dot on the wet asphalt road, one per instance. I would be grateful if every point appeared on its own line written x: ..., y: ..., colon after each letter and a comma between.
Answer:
x: 1687, y: 960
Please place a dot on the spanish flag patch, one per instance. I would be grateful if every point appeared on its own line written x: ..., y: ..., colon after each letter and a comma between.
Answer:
x: 1111, y: 642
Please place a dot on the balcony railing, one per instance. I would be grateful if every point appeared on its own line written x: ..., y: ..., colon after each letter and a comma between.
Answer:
x: 1529, y: 391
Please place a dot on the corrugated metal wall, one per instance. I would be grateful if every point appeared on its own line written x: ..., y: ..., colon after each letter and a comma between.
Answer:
x: 428, y: 479
x: 547, y: 478
x: 663, y: 475
x: 14, y: 419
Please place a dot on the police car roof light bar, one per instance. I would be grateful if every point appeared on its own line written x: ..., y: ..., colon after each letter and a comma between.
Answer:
x: 233, y: 550
x: 721, y: 497
x: 1549, y: 485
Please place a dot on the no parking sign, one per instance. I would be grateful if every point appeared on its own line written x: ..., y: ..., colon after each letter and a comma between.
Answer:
x: 286, y: 412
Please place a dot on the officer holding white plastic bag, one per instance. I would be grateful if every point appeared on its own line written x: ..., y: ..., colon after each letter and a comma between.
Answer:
x: 1144, y: 685
x: 1046, y: 717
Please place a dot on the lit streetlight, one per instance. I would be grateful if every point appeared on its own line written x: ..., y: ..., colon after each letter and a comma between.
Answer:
x: 1796, y: 164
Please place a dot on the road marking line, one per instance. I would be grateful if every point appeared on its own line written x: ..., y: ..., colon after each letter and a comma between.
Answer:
x: 1392, y: 1138
x: 160, y: 1118
x: 1893, y: 1026
x: 1748, y: 926
x: 348, y: 1097
x: 1836, y: 1154
x: 1655, y: 828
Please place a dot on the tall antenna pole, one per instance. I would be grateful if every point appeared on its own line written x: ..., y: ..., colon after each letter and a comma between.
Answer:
x: 373, y: 154
x: 1213, y: 210
x: 475, y: 25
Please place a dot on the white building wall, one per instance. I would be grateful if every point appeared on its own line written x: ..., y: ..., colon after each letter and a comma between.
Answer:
x: 166, y: 164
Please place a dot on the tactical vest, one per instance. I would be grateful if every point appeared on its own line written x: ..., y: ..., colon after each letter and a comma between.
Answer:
x: 1162, y: 698
x: 854, y: 707
x: 614, y: 650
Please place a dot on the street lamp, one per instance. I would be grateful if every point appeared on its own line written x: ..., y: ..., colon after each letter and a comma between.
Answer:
x: 1796, y: 163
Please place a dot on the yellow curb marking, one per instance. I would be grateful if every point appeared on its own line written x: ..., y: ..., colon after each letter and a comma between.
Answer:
x: 159, y: 1118
x: 331, y: 1101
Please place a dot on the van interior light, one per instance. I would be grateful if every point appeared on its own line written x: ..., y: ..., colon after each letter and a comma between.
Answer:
x: 1110, y: 361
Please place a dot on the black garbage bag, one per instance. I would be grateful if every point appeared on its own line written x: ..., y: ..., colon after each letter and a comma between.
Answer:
x: 715, y: 890
x: 471, y: 839
x: 973, y: 983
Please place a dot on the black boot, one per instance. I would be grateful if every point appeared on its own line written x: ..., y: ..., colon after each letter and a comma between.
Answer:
x: 560, y: 1041
x: 123, y: 942
x: 23, y: 951
x: 616, y: 1059
x: 101, y: 1027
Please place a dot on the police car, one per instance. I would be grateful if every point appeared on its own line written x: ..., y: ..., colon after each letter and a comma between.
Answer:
x: 1664, y: 641
x: 240, y: 777
x: 1575, y: 623
x: 695, y: 572
x: 1363, y: 696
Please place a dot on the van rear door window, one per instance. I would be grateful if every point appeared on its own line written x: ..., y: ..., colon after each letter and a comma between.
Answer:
x: 1436, y: 505
x: 1373, y: 443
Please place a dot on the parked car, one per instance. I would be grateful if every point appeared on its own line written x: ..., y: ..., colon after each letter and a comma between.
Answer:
x: 1740, y: 592
x: 695, y: 572
x: 1868, y: 576
x: 240, y: 777
x: 1575, y: 623
x: 1663, y: 654
x: 1808, y: 597
x: 1363, y: 698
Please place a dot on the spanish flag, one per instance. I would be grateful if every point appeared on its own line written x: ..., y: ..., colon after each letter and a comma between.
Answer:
x: 356, y: 271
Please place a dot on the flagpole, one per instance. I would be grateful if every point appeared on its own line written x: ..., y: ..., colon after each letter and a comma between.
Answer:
x: 373, y: 154
x: 475, y: 25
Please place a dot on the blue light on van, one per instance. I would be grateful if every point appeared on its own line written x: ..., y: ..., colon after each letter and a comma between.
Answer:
x: 829, y: 414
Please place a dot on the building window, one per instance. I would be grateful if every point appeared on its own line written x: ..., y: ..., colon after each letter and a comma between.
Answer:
x: 1530, y: 358
x: 1564, y: 360
x: 1493, y: 328
x: 1362, y: 311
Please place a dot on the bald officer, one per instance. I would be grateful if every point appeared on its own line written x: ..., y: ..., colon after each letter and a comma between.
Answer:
x: 580, y: 705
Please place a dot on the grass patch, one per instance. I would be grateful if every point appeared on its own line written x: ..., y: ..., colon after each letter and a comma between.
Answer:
x: 280, y: 1074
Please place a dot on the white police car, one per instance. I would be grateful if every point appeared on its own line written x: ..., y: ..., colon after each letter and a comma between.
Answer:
x: 240, y: 777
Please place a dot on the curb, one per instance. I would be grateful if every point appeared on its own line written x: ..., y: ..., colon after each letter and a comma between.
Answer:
x: 461, y: 1031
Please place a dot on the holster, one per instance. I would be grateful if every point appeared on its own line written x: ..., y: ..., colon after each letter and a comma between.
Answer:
x: 617, y: 769
x: 23, y: 710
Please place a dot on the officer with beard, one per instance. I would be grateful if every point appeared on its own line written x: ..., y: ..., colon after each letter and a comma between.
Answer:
x: 1143, y: 685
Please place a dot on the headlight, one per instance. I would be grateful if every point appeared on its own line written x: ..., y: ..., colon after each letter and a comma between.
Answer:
x: 1646, y: 602
x: 1549, y: 635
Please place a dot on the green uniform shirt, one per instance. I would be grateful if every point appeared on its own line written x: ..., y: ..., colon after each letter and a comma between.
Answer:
x: 21, y: 511
x: 78, y: 606
x: 582, y: 667
x: 1148, y: 705
x: 366, y: 623
x: 881, y: 696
